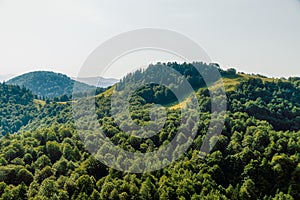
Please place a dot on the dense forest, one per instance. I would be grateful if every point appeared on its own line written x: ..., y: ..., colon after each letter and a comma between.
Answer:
x: 257, y: 156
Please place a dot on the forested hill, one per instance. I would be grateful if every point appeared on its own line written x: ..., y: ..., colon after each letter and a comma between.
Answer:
x: 257, y: 156
x: 273, y: 100
x: 47, y: 84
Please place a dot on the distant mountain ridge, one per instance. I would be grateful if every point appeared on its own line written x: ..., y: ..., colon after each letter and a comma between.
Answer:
x: 97, y: 81
x: 48, y: 84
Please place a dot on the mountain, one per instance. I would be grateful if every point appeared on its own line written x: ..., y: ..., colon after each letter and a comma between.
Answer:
x: 256, y: 156
x: 97, y: 81
x: 48, y: 84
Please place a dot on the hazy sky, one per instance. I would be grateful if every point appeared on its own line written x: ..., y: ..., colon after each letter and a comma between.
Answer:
x: 261, y: 36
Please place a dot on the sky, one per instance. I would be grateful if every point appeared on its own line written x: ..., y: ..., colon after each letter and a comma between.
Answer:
x: 259, y: 36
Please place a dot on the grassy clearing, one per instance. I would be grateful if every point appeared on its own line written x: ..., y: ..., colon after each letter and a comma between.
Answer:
x: 39, y: 102
x: 180, y: 105
x: 108, y: 92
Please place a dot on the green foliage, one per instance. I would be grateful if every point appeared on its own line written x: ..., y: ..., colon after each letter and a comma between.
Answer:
x: 171, y: 75
x: 16, y: 108
x: 278, y: 103
x: 256, y: 157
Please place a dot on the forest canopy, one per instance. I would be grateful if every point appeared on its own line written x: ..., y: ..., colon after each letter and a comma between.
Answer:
x: 257, y: 155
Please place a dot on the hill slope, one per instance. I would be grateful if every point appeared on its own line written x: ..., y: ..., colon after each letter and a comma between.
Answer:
x: 47, y: 84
